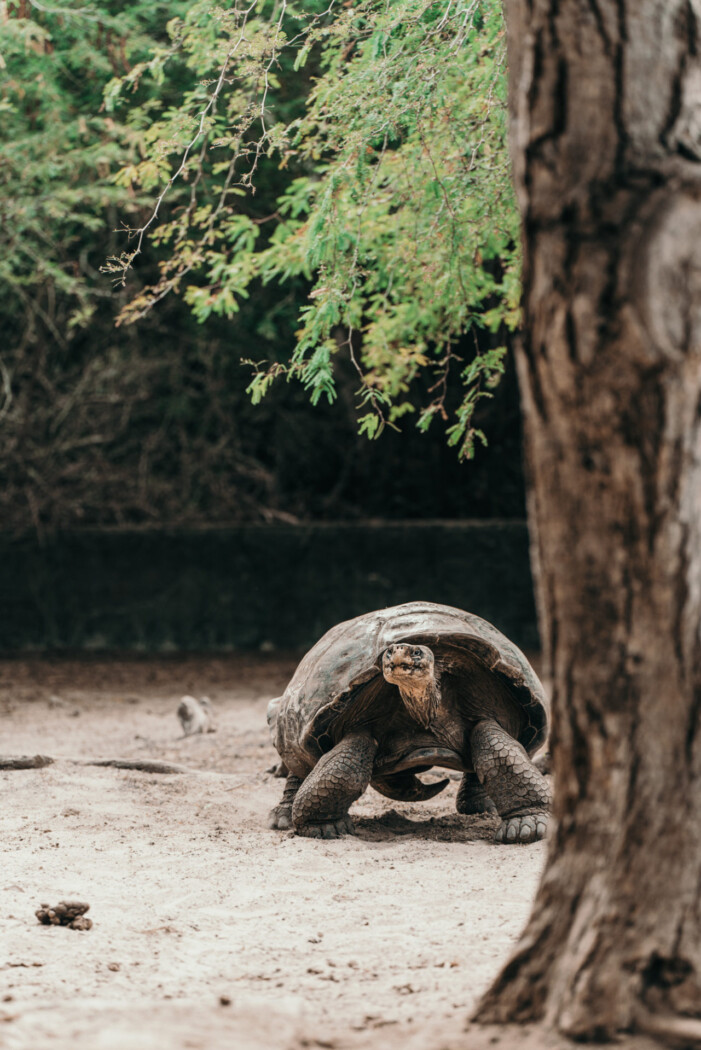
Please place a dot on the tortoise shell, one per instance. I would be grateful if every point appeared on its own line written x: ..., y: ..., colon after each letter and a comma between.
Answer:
x: 337, y: 675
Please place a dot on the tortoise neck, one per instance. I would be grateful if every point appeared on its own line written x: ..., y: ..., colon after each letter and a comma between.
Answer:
x: 421, y: 700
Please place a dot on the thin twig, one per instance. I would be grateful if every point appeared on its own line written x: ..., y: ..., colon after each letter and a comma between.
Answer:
x: 25, y: 762
x: 141, y: 232
x: 139, y: 765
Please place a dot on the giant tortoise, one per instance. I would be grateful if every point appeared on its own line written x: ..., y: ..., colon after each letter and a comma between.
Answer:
x: 394, y: 692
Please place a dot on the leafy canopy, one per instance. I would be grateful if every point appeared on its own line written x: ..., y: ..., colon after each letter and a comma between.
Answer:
x: 396, y: 205
x: 59, y: 150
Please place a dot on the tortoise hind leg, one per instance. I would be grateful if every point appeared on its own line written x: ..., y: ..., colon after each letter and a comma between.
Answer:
x: 281, y: 816
x: 520, y: 793
x: 320, y: 809
x: 472, y: 797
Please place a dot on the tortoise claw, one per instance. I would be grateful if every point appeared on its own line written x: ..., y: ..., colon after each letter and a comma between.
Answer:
x: 332, y: 829
x: 529, y: 827
x: 280, y: 818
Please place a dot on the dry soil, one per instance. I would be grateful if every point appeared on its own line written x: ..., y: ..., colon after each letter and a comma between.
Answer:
x: 210, y: 930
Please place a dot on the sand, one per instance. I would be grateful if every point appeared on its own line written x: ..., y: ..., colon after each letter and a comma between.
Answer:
x: 210, y: 930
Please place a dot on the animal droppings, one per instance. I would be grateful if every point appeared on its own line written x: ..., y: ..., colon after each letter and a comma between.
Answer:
x: 65, y: 913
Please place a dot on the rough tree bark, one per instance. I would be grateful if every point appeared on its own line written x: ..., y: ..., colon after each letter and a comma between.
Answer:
x: 606, y: 137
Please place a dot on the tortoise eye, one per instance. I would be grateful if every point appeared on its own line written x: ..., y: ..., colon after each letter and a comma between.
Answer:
x: 417, y: 652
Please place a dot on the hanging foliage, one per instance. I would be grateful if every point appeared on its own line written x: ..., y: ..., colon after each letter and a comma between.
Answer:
x: 388, y: 120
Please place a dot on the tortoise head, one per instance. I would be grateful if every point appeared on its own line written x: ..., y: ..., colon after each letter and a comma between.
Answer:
x: 412, y: 669
x: 408, y: 665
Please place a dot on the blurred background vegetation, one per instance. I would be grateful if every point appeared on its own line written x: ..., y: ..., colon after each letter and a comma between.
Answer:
x: 150, y: 422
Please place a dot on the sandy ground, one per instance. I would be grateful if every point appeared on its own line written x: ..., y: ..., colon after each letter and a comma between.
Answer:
x: 209, y: 929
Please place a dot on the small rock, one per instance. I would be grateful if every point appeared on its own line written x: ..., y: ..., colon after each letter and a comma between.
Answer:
x: 224, y: 1000
x: 115, y: 967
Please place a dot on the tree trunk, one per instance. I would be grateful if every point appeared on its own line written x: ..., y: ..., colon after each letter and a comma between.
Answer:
x: 606, y: 137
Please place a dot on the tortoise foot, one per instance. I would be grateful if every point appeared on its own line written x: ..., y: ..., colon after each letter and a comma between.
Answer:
x: 528, y: 827
x: 278, y: 769
x: 472, y: 797
x: 332, y: 829
x: 475, y: 805
x: 280, y: 818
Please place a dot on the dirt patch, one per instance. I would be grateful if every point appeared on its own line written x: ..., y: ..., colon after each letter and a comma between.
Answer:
x: 209, y: 930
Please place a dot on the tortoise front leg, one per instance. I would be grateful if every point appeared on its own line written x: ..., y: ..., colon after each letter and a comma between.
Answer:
x: 520, y: 793
x: 320, y: 809
x: 281, y: 816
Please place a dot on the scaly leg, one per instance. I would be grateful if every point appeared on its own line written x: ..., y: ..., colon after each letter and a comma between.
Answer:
x: 520, y: 793
x: 281, y: 816
x: 321, y: 807
x: 472, y: 797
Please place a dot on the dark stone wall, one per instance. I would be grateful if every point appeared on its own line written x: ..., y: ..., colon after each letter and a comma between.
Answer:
x: 276, y: 586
